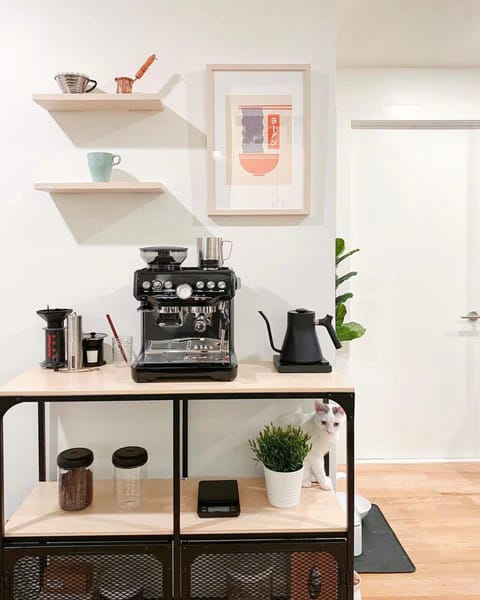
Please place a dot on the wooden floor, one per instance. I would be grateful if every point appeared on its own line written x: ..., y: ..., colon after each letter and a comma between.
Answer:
x: 435, y: 511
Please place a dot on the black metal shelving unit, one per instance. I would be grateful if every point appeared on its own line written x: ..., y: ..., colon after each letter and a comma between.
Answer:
x: 293, y: 566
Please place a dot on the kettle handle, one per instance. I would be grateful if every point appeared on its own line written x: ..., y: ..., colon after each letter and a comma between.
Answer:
x: 327, y: 323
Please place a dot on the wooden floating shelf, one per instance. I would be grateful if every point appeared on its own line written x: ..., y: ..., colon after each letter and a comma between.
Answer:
x: 113, y: 102
x: 101, y: 187
x: 39, y: 515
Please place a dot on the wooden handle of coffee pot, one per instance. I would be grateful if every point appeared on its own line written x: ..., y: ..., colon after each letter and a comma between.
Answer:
x: 146, y: 65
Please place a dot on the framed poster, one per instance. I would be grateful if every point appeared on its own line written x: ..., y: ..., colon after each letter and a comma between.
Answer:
x: 258, y: 140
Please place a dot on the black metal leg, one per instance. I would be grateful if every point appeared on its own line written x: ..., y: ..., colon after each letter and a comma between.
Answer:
x: 7, y: 404
x: 42, y: 462
x: 176, y: 501
x: 2, y: 510
x: 347, y: 402
x: 42, y: 451
x: 350, y: 497
x: 185, y: 439
x: 326, y: 458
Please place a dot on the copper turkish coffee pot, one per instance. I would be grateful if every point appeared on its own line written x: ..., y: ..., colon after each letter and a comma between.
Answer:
x: 125, y: 84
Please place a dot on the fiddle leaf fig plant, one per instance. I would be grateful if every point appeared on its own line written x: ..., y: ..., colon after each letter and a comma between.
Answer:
x: 350, y: 330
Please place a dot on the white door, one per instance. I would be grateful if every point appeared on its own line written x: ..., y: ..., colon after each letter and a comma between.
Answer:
x: 415, y: 214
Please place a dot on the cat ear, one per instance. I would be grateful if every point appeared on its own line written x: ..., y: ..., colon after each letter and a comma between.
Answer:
x: 320, y: 407
x: 338, y: 411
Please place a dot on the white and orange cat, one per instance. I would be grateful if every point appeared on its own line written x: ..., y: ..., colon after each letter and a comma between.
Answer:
x: 322, y: 425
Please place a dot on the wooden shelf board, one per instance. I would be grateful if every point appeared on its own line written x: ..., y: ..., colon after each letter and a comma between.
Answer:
x: 39, y: 514
x: 318, y: 511
x: 100, y: 187
x: 113, y: 381
x: 113, y: 102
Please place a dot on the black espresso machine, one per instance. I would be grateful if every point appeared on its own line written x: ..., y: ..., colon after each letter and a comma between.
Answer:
x: 187, y: 317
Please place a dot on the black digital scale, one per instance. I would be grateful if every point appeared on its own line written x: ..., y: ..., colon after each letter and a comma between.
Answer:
x: 218, y: 499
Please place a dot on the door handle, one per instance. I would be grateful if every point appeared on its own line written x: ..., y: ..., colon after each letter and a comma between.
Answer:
x: 314, y: 583
x: 472, y: 316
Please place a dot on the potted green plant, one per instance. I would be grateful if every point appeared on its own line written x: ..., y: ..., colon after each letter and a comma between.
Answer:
x: 350, y: 330
x: 282, y: 451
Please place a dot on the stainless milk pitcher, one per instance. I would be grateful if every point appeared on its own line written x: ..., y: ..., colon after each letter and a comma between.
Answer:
x: 210, y: 252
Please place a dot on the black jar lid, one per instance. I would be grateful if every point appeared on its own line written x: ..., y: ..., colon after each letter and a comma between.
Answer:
x: 129, y: 457
x: 74, y: 458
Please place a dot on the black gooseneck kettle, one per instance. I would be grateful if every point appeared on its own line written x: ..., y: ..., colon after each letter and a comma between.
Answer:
x: 300, y: 352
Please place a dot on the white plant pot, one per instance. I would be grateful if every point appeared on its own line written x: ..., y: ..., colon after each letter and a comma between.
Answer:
x: 283, y: 489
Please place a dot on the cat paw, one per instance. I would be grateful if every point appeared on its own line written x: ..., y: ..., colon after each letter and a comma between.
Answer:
x: 306, y: 484
x: 326, y: 484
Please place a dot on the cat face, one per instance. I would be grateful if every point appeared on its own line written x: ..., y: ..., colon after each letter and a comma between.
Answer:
x: 328, y: 417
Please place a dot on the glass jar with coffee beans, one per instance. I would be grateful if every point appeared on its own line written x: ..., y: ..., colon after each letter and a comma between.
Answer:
x: 75, y: 479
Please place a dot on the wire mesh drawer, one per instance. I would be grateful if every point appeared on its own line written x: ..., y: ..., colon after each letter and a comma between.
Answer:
x: 89, y: 573
x: 257, y: 571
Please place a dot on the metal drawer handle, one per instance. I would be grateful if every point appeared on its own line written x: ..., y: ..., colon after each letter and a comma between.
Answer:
x: 472, y: 316
x: 314, y: 583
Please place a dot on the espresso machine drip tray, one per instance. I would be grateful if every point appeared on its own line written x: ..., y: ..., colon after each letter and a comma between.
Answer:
x: 195, y: 350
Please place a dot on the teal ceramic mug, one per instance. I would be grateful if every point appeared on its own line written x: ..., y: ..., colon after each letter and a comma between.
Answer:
x: 101, y: 163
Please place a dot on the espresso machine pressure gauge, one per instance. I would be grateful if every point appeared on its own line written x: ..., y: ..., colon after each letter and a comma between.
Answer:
x: 184, y: 291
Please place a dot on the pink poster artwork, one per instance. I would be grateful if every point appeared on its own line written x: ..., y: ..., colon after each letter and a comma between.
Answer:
x: 259, y: 140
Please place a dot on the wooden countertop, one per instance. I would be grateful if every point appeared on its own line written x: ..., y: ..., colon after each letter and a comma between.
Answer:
x: 112, y: 380
x: 39, y: 515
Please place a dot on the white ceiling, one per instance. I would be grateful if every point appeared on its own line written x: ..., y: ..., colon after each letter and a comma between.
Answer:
x: 408, y: 33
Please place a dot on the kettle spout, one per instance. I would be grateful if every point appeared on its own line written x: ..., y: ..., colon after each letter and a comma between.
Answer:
x: 270, y: 337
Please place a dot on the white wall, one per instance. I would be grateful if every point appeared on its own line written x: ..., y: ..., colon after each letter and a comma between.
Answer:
x: 408, y: 33
x: 81, y: 252
x: 405, y: 424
